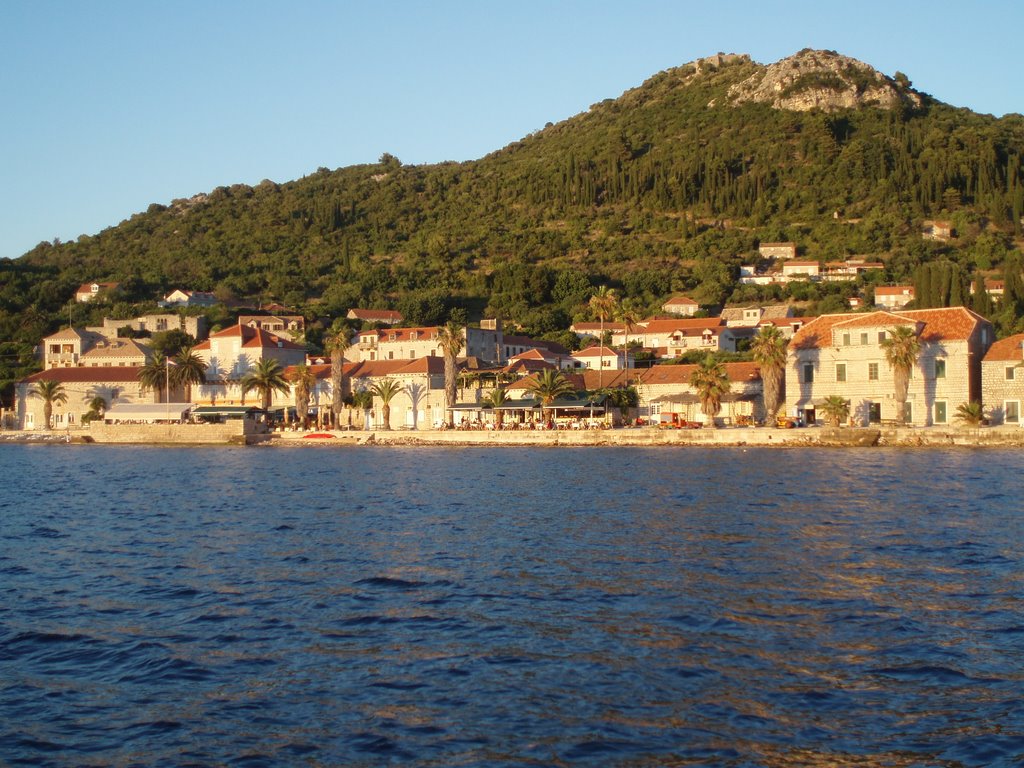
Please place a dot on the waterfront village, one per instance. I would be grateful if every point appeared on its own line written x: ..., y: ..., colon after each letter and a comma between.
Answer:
x: 880, y: 365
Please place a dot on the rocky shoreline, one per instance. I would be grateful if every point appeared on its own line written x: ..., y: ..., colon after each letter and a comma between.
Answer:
x: 825, y: 437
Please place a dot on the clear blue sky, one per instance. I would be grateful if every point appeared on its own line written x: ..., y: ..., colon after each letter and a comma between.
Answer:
x: 110, y: 106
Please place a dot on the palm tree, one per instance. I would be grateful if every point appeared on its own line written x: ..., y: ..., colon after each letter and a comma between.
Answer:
x: 836, y: 409
x: 337, y: 344
x: 266, y: 378
x: 97, y: 407
x: 50, y: 392
x: 496, y: 398
x: 711, y: 382
x: 549, y: 386
x: 602, y: 303
x: 155, y: 375
x: 304, y: 380
x: 622, y: 398
x: 902, y: 348
x: 972, y: 414
x: 449, y: 337
x: 189, y: 369
x: 629, y: 314
x: 386, y: 389
x: 769, y: 352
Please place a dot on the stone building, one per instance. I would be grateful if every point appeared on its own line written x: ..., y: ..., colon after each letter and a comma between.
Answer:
x: 843, y: 355
x: 1002, y: 381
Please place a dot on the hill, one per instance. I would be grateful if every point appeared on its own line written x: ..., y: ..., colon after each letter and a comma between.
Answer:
x: 668, y: 187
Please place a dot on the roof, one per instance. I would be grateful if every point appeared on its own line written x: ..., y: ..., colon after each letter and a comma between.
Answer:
x: 251, y: 338
x: 376, y: 315
x: 595, y: 352
x: 71, y: 333
x: 87, y: 287
x: 681, y: 374
x: 768, y: 312
x: 894, y: 290
x: 117, y: 348
x: 425, y: 333
x: 680, y: 324
x: 950, y: 324
x: 776, y: 245
x: 679, y: 300
x: 1007, y: 350
x: 91, y: 375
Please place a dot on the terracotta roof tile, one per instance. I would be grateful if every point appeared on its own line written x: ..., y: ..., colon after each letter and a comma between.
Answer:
x: 1008, y: 349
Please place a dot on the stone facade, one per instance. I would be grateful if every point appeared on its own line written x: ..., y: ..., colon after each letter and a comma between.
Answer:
x: 842, y: 355
x: 1002, y: 381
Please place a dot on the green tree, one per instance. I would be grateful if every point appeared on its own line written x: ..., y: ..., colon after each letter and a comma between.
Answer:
x: 450, y: 339
x: 712, y: 383
x: 972, y: 414
x: 386, y: 390
x: 902, y: 348
x: 602, y: 304
x: 836, y: 409
x: 768, y: 350
x: 549, y: 386
x: 155, y: 375
x: 265, y: 378
x: 188, y: 370
x: 496, y: 398
x: 337, y: 344
x: 303, y: 380
x: 49, y: 392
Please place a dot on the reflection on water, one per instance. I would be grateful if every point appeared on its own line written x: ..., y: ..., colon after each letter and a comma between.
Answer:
x: 481, y: 607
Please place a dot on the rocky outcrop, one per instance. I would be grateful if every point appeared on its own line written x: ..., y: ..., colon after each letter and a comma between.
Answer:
x: 823, y: 80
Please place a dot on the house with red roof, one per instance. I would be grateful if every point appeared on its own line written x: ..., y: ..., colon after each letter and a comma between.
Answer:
x: 230, y: 354
x: 893, y: 296
x: 843, y: 355
x: 114, y: 383
x: 600, y: 357
x: 384, y: 316
x: 90, y: 291
x: 666, y: 389
x: 485, y: 343
x: 1002, y: 381
x: 680, y: 305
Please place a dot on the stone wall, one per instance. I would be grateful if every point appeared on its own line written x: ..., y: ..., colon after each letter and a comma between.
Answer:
x: 238, y: 431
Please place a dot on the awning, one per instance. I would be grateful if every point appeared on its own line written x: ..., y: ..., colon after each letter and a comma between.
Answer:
x: 683, y: 398
x: 146, y: 411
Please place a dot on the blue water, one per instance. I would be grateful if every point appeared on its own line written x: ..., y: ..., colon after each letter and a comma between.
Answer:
x: 485, y: 607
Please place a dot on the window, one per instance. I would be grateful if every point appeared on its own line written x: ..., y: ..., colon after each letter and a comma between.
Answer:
x: 840, y: 371
x: 940, y: 411
x: 808, y: 372
x: 908, y: 412
x: 940, y: 369
x: 881, y: 336
x: 412, y: 354
x: 1011, y: 409
x: 391, y: 355
x: 1010, y: 372
x: 846, y: 339
x: 864, y: 338
x: 872, y: 371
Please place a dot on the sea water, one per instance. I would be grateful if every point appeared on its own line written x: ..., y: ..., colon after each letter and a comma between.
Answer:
x: 489, y: 606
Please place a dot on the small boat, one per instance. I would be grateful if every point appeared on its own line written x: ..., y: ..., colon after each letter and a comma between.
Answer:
x: 318, y: 436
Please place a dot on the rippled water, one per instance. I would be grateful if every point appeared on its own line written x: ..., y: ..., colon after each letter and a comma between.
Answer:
x: 510, y: 607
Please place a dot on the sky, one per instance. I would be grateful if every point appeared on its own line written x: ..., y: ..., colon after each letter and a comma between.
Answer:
x: 108, y: 106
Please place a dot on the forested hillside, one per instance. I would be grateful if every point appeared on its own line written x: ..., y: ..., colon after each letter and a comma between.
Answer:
x: 668, y: 187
